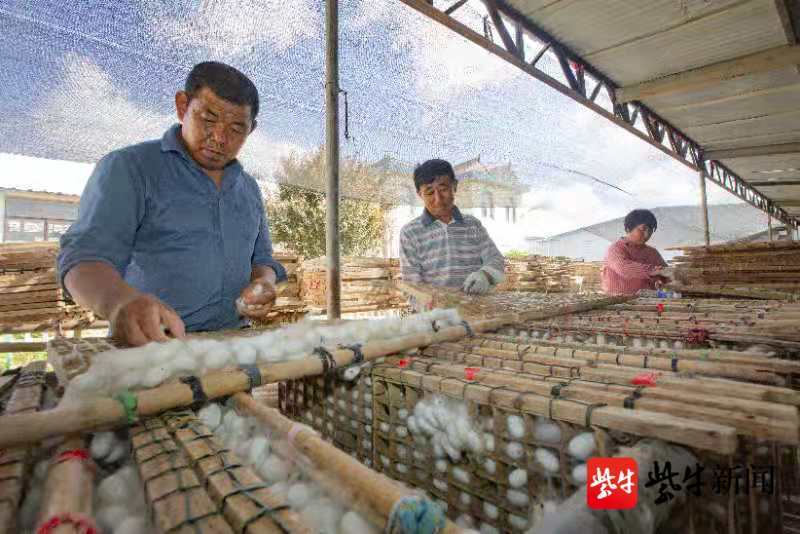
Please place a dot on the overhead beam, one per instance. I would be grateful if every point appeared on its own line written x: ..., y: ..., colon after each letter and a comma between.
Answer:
x: 753, y: 151
x: 789, y: 203
x: 775, y: 183
x: 702, y: 77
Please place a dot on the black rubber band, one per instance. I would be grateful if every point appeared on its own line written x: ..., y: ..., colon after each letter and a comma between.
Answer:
x: 468, y: 328
x: 198, y: 394
x: 590, y: 409
x: 619, y: 354
x: 628, y: 402
x: 266, y: 510
x: 555, y: 391
x: 253, y: 375
x: 328, y: 362
x: 358, y: 354
x: 550, y: 408
x: 675, y: 365
x: 434, y: 326
x: 645, y: 362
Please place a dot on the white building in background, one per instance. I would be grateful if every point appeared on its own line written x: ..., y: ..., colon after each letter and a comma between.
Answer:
x: 677, y: 225
x: 34, y: 216
x: 491, y: 193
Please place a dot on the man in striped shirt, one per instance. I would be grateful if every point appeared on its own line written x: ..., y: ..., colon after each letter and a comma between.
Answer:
x: 443, y: 247
x: 630, y: 264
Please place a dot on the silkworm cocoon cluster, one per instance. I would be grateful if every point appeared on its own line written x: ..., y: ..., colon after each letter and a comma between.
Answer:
x: 299, y: 494
x: 211, y: 415
x: 401, y: 431
x: 517, y: 497
x: 274, y: 469
x: 490, y: 466
x: 547, y: 459
x: 441, y: 485
x: 582, y: 446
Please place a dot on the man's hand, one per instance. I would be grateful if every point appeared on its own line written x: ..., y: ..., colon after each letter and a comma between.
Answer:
x: 477, y: 283
x: 257, y: 298
x: 143, y: 318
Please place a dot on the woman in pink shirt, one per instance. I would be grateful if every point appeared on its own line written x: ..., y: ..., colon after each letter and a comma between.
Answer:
x: 630, y: 264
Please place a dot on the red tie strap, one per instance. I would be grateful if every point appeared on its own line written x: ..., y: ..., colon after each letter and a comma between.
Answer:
x: 83, y: 523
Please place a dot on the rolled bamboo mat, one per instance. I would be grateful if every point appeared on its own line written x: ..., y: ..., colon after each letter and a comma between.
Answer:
x: 177, y: 498
x: 66, y: 506
x: 26, y: 398
x: 106, y: 411
x: 373, y: 495
x: 244, y: 498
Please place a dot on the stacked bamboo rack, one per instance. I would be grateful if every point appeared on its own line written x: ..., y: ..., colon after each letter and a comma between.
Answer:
x: 289, y: 306
x: 31, y: 297
x: 368, y: 284
x: 757, y: 270
x: 537, y: 273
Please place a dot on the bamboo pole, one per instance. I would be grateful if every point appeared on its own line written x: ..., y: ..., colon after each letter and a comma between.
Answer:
x: 704, y: 207
x: 368, y: 490
x: 761, y: 426
x: 100, y: 412
x: 332, y: 240
x: 68, y: 491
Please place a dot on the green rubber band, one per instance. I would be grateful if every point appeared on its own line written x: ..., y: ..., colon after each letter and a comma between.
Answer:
x: 129, y: 403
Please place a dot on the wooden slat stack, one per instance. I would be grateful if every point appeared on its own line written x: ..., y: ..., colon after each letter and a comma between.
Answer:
x: 289, y: 307
x: 756, y: 270
x: 368, y: 284
x: 585, y: 276
x: 31, y: 297
x: 537, y: 273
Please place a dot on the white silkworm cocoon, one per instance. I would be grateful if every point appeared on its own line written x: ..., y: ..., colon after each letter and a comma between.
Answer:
x: 465, y: 521
x: 401, y: 431
x: 367, y: 444
x: 217, y: 358
x: 579, y: 473
x: 518, y: 478
x: 401, y: 451
x: 280, y: 490
x: 323, y: 515
x: 274, y: 469
x: 546, y: 431
x: 441, y: 465
x: 330, y: 426
x: 368, y: 429
x: 517, y: 497
x: 258, y: 450
x: 132, y: 525
x: 441, y: 485
x: 210, y: 415
x: 155, y: 376
x: 490, y: 466
x: 309, y: 416
x: 355, y: 394
x: 438, y: 450
x: 342, y: 404
x: 353, y: 423
x: 116, y: 487
x: 547, y: 459
x: 183, y: 363
x: 102, y: 443
x: 118, y: 452
x: 353, y: 523
x: 582, y: 446
x: 385, y: 428
x: 368, y: 381
x: 351, y: 373
x: 516, y: 426
x: 490, y: 510
x: 514, y: 450
x: 401, y: 468
x: 465, y: 498
x: 109, y: 517
x: 519, y: 523
x: 419, y: 455
x: 299, y: 494
x: 368, y: 413
x: 384, y: 460
x: 488, y: 423
x: 402, y: 413
x: 461, y: 475
x: 486, y: 528
x: 246, y: 354
x: 488, y: 440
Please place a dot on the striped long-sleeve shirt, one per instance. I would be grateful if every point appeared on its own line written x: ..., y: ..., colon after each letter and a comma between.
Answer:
x: 629, y: 268
x: 432, y: 252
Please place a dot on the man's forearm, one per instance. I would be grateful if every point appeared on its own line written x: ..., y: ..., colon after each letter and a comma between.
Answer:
x: 99, y: 287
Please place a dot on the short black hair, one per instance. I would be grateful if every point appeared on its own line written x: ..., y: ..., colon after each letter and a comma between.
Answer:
x: 637, y: 217
x: 226, y: 82
x: 427, y: 172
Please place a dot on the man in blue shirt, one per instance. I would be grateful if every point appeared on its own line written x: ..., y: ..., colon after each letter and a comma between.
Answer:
x: 171, y: 234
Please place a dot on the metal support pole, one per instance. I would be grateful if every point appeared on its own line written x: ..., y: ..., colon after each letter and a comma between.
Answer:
x: 769, y: 226
x: 704, y: 204
x: 332, y: 156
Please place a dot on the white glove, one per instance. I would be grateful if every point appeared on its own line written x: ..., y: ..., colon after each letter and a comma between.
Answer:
x: 477, y: 283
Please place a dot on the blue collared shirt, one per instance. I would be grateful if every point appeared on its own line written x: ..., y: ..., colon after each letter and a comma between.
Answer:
x: 155, y: 216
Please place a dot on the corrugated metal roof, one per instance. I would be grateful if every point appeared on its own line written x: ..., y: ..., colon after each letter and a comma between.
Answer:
x: 637, y: 42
